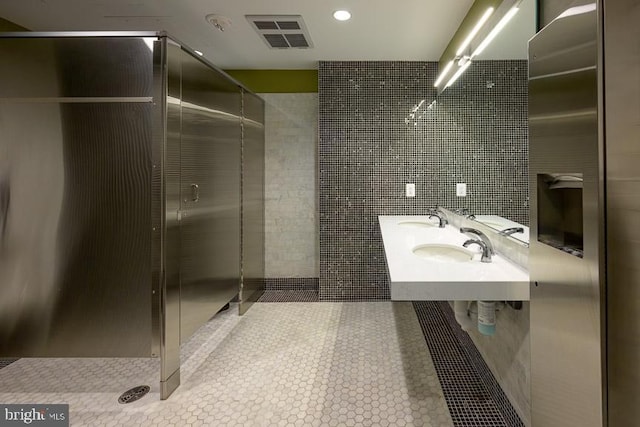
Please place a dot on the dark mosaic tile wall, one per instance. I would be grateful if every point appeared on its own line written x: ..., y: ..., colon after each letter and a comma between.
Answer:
x: 381, y: 126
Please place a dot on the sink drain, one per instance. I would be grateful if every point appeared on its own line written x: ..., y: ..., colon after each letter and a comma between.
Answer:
x: 134, y: 394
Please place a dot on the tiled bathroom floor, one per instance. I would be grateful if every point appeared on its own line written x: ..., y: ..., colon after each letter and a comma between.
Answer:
x: 473, y: 396
x: 282, y: 364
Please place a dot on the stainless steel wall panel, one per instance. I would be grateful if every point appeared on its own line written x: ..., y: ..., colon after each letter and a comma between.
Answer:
x: 76, y: 252
x: 210, y: 224
x: 31, y: 161
x: 77, y: 67
x: 622, y: 105
x: 29, y: 68
x: 105, y: 232
x: 566, y: 291
x: 252, y: 200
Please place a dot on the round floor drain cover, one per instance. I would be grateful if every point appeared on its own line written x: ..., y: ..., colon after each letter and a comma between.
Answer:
x: 134, y: 394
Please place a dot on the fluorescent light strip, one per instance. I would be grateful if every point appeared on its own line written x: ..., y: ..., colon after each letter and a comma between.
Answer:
x: 443, y: 73
x: 458, y: 74
x: 499, y: 26
x: 473, y: 32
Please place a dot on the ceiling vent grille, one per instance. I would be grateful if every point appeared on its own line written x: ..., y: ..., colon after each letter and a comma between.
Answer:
x: 281, y: 31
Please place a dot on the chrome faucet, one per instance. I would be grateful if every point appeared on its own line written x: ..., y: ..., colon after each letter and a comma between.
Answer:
x: 486, y: 252
x: 465, y: 212
x: 441, y: 218
x: 481, y: 235
x: 512, y: 230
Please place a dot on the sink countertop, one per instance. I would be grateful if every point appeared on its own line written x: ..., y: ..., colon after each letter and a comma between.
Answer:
x: 414, y: 278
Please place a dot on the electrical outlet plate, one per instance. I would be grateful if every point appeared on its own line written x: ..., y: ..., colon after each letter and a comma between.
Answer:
x: 461, y: 189
x: 410, y: 190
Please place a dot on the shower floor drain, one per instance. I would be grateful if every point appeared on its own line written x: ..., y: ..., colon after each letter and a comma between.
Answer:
x: 134, y: 394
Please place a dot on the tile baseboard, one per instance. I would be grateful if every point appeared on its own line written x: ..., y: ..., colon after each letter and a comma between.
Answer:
x: 292, y: 284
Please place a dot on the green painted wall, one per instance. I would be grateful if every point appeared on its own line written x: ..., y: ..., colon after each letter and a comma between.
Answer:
x: 277, y: 81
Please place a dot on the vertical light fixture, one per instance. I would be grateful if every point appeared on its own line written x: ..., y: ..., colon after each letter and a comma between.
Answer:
x: 499, y: 26
x: 458, y: 73
x: 474, y: 31
x: 443, y: 73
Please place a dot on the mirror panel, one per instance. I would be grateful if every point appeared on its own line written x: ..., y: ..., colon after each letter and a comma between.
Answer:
x: 502, y: 225
x: 511, y: 43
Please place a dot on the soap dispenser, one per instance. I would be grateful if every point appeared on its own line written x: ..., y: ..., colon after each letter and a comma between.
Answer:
x: 487, y: 317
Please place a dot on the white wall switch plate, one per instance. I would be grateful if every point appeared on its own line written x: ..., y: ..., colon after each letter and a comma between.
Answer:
x: 461, y: 189
x: 410, y: 190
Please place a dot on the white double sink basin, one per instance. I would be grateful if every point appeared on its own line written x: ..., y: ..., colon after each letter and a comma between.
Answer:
x: 426, y: 262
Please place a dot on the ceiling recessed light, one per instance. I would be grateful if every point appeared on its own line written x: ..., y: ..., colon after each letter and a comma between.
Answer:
x: 198, y: 52
x: 342, y: 15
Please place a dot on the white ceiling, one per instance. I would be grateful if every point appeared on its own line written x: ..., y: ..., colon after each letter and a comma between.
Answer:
x: 410, y: 30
